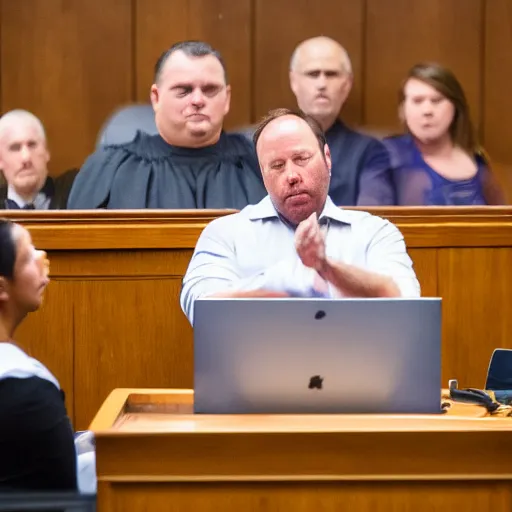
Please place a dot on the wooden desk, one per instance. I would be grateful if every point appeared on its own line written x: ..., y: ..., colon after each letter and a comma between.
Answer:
x: 153, y: 454
x: 112, y: 316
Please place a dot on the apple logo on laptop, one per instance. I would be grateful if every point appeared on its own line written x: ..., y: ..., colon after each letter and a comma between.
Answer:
x: 315, y: 382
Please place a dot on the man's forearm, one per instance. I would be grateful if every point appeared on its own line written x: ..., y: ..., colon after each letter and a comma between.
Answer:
x: 249, y: 294
x: 352, y: 281
x: 283, y: 279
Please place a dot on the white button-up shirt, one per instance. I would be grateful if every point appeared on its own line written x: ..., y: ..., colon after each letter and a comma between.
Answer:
x: 255, y: 249
x: 41, y: 200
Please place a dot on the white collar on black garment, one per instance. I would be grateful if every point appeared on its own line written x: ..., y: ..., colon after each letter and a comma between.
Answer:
x: 16, y: 364
x: 40, y: 202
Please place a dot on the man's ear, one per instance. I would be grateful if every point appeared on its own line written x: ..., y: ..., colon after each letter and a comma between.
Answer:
x: 401, y: 114
x: 350, y: 83
x: 293, y: 82
x: 154, y: 96
x: 327, y: 155
x: 228, y: 100
x: 4, y: 290
x: 48, y: 155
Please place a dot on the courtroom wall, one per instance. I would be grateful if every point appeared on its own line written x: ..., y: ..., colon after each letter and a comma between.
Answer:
x: 72, y: 62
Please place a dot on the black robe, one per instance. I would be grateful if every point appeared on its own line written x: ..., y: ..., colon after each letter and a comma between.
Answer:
x: 149, y: 173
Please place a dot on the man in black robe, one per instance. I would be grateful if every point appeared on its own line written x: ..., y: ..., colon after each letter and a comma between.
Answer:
x: 321, y: 79
x: 24, y: 158
x: 192, y: 162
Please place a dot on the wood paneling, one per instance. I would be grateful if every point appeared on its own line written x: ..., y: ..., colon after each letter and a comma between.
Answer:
x: 307, y: 496
x: 128, y: 332
x: 161, y: 458
x: 225, y: 24
x: 401, y: 33
x: 69, y: 62
x: 425, y: 266
x: 280, y: 25
x: 72, y: 62
x: 497, y: 100
x: 476, y: 286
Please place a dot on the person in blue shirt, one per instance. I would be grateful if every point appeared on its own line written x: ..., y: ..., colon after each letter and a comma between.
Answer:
x: 438, y: 160
x: 296, y: 242
x: 321, y: 79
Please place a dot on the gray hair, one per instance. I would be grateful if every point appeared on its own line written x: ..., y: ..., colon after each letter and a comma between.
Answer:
x: 345, y: 59
x: 18, y: 115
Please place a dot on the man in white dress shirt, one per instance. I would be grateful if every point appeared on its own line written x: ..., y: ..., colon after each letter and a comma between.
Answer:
x: 296, y: 242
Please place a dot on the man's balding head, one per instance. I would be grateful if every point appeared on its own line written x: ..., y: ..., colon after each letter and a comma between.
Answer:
x: 295, y: 163
x: 315, y: 46
x: 321, y: 78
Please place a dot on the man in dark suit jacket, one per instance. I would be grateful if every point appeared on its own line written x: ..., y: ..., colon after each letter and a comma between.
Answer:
x: 321, y: 79
x: 24, y: 157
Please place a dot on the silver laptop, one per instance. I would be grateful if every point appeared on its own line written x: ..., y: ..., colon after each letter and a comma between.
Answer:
x: 317, y: 356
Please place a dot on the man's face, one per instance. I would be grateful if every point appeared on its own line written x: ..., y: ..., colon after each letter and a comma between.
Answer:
x: 319, y: 80
x: 191, y: 100
x: 295, y: 170
x: 24, y: 157
x: 426, y: 112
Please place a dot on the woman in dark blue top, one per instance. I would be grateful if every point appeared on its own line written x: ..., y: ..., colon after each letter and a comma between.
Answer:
x: 437, y: 162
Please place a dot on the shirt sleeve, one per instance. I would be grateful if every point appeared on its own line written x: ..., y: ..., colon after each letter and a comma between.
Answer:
x: 387, y: 255
x: 214, y: 268
x: 376, y: 187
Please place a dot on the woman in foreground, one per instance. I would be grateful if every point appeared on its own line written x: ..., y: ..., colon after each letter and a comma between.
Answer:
x: 37, y: 450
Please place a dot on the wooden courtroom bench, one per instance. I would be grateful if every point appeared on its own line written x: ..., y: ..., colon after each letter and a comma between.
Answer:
x: 111, y: 316
x: 153, y: 454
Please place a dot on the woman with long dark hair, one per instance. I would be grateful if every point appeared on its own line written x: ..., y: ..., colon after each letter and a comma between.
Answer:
x: 437, y: 161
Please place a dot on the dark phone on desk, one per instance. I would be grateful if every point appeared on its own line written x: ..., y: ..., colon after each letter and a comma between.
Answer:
x: 499, y: 375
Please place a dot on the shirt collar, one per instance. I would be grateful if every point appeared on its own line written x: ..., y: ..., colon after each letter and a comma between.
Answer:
x: 39, y: 200
x: 265, y: 209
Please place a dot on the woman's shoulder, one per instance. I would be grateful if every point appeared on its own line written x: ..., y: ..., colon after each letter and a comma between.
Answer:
x: 33, y: 421
x: 16, y: 363
x: 29, y: 405
x: 401, y: 149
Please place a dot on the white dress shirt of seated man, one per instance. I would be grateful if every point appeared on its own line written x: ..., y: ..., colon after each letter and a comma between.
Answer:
x: 296, y: 242
x: 24, y: 157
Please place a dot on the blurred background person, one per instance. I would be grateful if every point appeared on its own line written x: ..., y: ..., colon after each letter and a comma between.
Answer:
x: 321, y: 79
x: 438, y: 160
x: 24, y: 158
